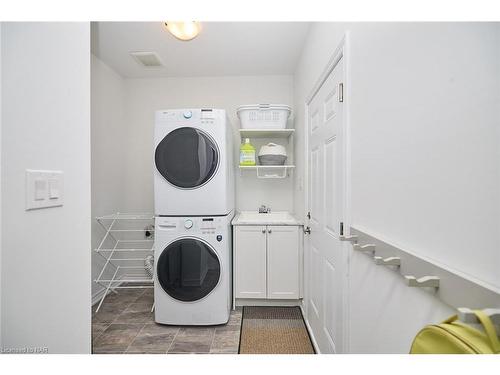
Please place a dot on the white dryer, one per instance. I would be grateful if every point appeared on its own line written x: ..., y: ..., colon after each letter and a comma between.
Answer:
x: 194, y: 171
x: 192, y: 284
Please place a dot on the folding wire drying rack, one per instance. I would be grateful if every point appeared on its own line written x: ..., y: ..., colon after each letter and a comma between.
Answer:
x: 125, y: 247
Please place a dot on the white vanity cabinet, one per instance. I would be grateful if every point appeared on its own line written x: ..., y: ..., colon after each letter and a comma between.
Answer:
x: 267, y: 262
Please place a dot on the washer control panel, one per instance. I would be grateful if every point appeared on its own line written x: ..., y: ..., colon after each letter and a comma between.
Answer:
x: 192, y: 225
x: 209, y: 225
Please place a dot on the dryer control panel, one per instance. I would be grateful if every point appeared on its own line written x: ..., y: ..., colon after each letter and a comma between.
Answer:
x: 190, y: 115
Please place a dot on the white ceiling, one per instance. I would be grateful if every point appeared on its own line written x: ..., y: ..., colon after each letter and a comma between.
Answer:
x: 222, y: 48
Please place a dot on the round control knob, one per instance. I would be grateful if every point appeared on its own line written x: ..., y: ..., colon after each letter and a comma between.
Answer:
x: 188, y: 114
x: 188, y: 224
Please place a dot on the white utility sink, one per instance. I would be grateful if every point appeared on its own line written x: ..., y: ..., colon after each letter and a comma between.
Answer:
x: 271, y: 218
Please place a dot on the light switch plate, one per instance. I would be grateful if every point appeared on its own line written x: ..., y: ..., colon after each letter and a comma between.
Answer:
x: 43, y: 189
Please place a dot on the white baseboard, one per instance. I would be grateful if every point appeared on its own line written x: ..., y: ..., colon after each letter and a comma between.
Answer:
x: 310, y: 331
x: 267, y: 302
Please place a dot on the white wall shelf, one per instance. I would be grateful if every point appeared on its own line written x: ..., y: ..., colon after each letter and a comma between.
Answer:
x: 269, y: 171
x: 266, y: 133
x: 261, y: 137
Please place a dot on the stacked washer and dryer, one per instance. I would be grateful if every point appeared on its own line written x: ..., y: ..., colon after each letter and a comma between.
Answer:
x: 194, y: 205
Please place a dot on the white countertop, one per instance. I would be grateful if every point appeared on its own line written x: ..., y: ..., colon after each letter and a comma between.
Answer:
x: 272, y: 218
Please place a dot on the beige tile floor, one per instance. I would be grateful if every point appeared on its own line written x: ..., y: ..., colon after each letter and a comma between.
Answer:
x: 125, y: 324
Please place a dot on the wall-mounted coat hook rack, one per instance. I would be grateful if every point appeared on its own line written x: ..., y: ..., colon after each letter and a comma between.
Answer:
x: 391, y: 261
x: 467, y: 315
x: 453, y: 288
x: 423, y: 282
x: 365, y: 248
x: 352, y: 239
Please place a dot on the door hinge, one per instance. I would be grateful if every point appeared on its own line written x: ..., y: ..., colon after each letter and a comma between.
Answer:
x: 341, y: 228
x: 341, y: 92
x: 309, y: 215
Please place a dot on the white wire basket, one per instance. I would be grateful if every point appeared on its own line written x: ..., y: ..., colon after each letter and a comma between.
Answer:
x: 126, y: 249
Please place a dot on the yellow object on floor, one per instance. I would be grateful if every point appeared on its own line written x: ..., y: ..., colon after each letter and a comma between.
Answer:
x: 455, y: 337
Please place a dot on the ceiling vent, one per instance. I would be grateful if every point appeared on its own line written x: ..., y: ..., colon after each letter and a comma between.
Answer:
x: 147, y: 59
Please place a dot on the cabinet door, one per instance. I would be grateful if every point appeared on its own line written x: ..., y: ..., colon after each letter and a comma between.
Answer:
x: 283, y: 262
x: 250, y: 262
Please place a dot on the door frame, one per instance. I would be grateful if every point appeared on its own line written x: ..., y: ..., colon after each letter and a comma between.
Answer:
x: 340, y: 52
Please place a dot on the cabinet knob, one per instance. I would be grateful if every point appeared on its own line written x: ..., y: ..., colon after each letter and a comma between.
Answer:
x: 263, y: 231
x: 269, y: 231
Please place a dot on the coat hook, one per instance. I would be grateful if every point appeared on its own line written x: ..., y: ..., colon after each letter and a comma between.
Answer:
x: 467, y: 315
x: 426, y: 281
x: 364, y: 248
x: 391, y: 261
x: 352, y: 239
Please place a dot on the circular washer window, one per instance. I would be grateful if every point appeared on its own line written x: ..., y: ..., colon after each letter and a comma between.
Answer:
x: 187, y: 158
x: 188, y: 269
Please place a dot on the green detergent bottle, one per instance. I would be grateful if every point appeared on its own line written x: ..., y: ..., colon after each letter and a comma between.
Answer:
x: 247, y: 153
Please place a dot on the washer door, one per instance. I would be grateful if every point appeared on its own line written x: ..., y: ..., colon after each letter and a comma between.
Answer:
x: 188, y: 269
x: 187, y: 158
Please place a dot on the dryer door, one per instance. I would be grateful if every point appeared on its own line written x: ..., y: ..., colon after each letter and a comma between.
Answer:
x: 188, y: 269
x: 187, y: 158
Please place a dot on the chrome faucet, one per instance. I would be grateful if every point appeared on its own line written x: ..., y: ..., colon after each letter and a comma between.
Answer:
x: 264, y: 210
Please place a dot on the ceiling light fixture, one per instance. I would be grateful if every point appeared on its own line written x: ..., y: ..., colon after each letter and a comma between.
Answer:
x: 184, y: 30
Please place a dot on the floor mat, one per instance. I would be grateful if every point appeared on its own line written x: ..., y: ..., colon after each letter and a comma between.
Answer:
x: 274, y: 330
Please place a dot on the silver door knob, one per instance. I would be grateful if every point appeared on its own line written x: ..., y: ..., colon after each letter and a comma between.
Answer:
x: 307, y: 230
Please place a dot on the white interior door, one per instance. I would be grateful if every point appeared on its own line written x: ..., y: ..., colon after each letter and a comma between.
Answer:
x: 325, y: 268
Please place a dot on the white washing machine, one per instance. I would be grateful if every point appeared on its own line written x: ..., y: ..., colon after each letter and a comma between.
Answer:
x: 192, y: 284
x: 194, y: 171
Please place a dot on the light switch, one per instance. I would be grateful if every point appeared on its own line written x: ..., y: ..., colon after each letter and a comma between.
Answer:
x: 43, y: 189
x: 40, y: 189
x: 53, y: 188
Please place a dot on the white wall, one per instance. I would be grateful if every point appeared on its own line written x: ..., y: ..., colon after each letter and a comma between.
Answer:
x: 1, y: 184
x: 45, y: 125
x: 425, y: 159
x: 145, y: 96
x: 108, y: 140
